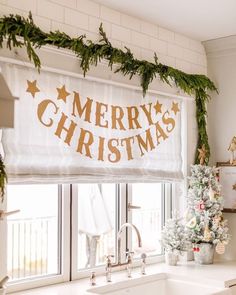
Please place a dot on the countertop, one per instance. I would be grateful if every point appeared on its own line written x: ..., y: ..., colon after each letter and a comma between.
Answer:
x: 220, y: 274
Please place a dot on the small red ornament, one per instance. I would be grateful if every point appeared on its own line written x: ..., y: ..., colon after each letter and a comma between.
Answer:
x: 200, y: 206
x: 196, y: 249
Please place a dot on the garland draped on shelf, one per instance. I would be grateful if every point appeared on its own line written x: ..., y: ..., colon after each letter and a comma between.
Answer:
x: 3, y: 178
x: 14, y: 26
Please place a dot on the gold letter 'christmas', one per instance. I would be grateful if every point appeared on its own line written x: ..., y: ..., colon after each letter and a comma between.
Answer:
x: 90, y: 142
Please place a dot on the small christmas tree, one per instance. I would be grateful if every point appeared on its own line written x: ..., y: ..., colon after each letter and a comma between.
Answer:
x: 173, y: 236
x: 204, y: 217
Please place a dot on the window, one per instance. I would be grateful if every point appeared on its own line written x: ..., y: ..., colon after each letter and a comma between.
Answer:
x: 33, y: 234
x: 62, y: 231
x: 145, y: 211
x: 97, y: 220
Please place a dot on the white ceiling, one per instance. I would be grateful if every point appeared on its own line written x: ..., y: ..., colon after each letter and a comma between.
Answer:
x: 197, y: 19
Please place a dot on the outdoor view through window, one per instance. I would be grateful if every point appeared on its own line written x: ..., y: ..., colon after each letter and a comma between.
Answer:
x: 34, y: 234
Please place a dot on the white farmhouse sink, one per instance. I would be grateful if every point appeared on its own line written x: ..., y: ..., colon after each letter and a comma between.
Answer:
x: 158, y: 284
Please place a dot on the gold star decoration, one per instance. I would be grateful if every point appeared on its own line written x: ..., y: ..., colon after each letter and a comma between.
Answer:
x: 62, y: 93
x: 175, y: 107
x: 202, y: 155
x: 32, y: 87
x: 157, y: 107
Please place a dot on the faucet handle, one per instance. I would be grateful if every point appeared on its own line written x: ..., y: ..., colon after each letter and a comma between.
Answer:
x: 143, y: 263
x: 93, y: 278
x: 143, y: 257
x: 108, y: 267
x: 129, y: 255
x: 129, y: 263
x: 129, y: 252
x: 109, y: 258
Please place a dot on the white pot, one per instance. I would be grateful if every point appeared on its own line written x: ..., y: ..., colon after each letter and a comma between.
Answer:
x: 171, y: 258
x: 186, y: 256
x: 205, y: 255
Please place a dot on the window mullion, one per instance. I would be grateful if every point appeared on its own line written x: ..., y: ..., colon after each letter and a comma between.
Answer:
x: 65, y: 232
x: 74, y: 231
x: 123, y: 218
x: 3, y: 244
x: 129, y: 215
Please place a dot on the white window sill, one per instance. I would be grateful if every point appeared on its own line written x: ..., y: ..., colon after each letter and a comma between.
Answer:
x: 220, y: 274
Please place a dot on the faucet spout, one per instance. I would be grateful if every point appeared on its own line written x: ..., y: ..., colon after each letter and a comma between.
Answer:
x: 125, y: 225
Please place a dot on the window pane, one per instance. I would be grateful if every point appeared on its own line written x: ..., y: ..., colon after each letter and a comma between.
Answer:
x: 96, y: 223
x: 33, y: 234
x: 148, y: 218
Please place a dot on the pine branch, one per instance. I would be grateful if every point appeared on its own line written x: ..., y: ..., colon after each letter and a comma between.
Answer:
x: 3, y: 178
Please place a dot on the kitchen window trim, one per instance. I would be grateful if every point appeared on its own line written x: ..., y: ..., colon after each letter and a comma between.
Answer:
x: 64, y: 235
x: 69, y: 232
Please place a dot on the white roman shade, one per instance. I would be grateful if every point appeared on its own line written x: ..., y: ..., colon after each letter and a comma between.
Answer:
x: 71, y: 129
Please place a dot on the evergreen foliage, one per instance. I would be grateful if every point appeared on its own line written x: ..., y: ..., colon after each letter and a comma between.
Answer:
x: 3, y: 178
x: 173, y: 236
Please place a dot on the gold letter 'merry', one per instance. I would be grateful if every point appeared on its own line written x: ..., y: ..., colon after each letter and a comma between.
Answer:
x: 80, y: 110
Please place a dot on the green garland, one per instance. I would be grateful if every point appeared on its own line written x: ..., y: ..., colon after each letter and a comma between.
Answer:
x: 90, y: 53
x: 3, y: 178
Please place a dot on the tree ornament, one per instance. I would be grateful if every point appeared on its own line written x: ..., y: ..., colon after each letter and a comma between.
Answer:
x: 207, y: 234
x: 200, y: 206
x: 232, y: 149
x: 202, y: 154
x: 187, y: 215
x: 220, y: 248
x: 211, y: 194
x: 192, y: 223
x: 216, y: 220
x: 196, y: 249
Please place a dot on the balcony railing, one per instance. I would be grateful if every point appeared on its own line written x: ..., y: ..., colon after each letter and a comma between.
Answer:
x: 32, y: 244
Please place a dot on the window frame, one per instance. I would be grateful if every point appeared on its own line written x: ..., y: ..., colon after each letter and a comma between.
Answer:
x: 123, y: 198
x: 64, y: 251
x: 69, y: 233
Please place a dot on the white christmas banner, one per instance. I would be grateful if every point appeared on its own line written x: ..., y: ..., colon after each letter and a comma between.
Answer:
x: 76, y: 129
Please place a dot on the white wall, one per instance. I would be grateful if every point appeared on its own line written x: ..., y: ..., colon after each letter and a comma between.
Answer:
x: 76, y: 17
x: 221, y: 55
x: 83, y: 16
